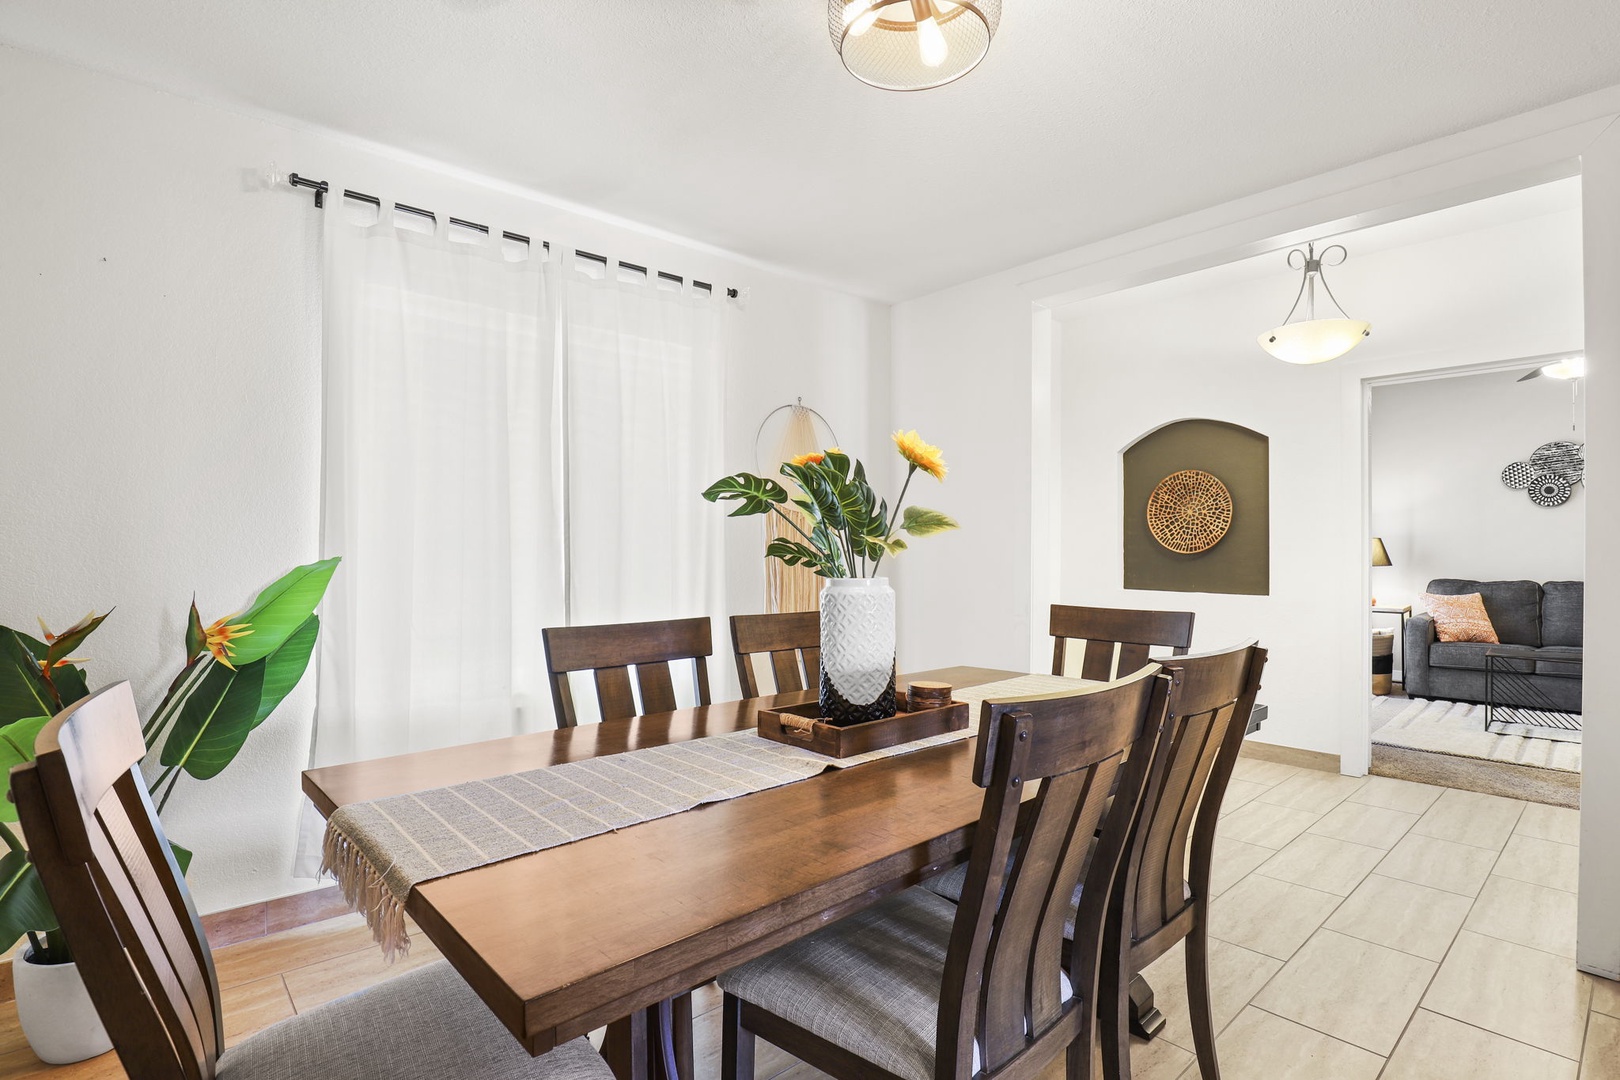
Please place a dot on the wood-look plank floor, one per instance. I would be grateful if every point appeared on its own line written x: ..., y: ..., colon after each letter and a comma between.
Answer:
x: 1363, y: 928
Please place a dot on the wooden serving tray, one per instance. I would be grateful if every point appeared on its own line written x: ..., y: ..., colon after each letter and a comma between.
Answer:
x: 801, y: 725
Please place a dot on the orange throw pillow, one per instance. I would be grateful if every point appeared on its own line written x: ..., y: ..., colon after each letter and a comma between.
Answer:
x: 1461, y: 618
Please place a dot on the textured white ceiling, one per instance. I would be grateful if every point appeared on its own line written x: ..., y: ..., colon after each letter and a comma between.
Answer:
x: 732, y: 121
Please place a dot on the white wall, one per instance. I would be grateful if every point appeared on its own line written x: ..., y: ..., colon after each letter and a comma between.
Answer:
x: 1437, y: 451
x: 963, y: 597
x: 1598, y: 938
x: 1185, y: 348
x: 160, y: 365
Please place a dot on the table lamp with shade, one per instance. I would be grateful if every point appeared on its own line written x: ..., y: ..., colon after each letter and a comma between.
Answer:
x: 1380, y: 557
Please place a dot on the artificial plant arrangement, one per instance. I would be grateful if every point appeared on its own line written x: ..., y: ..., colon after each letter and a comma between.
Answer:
x: 238, y: 669
x: 850, y: 530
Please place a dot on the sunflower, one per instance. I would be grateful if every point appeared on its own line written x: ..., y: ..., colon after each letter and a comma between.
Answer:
x: 921, y: 455
x: 808, y: 459
x: 218, y: 639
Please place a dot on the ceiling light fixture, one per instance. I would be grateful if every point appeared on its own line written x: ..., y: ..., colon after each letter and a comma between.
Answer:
x: 1570, y: 367
x: 912, y: 44
x: 1313, y: 340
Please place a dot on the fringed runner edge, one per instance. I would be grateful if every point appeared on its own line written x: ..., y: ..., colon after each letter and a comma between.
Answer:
x: 366, y: 892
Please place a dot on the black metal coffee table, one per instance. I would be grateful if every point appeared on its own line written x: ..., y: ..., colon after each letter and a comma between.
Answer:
x: 1516, y: 705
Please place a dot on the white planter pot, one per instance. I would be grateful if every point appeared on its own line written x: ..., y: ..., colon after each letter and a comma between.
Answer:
x: 55, y: 1012
x: 857, y: 650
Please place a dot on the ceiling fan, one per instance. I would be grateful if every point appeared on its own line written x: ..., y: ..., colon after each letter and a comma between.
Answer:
x: 1571, y: 367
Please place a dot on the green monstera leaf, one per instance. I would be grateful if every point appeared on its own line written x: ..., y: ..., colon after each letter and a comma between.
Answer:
x: 753, y: 494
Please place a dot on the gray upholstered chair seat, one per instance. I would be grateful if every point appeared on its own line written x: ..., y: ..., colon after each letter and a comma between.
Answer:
x: 949, y: 884
x: 427, y: 1024
x: 869, y: 983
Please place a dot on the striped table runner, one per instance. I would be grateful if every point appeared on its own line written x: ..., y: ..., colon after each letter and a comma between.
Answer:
x: 380, y: 850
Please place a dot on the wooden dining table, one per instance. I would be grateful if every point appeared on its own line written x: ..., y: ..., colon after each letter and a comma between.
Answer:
x: 615, y: 929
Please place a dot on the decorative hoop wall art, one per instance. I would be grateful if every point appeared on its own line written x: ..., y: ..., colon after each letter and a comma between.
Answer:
x: 1550, y: 476
x: 1189, y: 512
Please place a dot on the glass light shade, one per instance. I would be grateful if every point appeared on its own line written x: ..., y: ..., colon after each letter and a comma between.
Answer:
x: 1573, y: 368
x: 1380, y: 554
x: 912, y: 44
x: 1315, y: 341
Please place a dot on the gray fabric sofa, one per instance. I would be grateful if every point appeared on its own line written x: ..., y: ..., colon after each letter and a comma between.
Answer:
x: 1541, y: 622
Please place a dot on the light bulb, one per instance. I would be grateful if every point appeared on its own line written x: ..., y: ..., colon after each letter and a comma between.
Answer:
x: 859, y: 17
x: 931, y: 47
x: 1573, y: 368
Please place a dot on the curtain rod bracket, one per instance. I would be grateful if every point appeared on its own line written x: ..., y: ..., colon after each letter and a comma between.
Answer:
x: 320, y: 187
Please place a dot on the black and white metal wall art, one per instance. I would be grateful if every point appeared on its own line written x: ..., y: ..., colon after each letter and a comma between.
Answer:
x: 1552, y: 472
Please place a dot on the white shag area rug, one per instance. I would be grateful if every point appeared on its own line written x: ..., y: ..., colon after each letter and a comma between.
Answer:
x: 1457, y: 728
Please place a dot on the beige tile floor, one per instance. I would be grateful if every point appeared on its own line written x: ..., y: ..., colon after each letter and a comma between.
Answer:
x: 1363, y: 928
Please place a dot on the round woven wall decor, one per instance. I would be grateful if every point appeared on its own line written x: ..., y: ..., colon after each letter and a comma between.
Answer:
x: 1550, y: 489
x: 1189, y: 512
x: 1518, y: 475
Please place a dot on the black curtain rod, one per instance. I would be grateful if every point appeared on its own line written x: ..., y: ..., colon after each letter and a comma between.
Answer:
x: 321, y: 188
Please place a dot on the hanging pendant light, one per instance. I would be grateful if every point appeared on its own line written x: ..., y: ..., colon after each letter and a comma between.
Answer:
x: 1313, y: 340
x: 912, y: 44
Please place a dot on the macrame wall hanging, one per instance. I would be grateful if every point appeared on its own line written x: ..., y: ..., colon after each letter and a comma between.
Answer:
x: 785, y: 433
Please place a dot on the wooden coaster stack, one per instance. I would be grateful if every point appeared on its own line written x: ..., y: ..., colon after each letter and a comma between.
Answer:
x: 928, y: 695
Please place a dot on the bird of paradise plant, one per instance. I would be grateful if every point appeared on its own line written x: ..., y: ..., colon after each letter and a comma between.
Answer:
x: 238, y: 669
x: 851, y: 530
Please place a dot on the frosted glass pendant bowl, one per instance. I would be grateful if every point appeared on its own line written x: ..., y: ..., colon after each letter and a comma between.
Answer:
x: 1313, y: 340
x: 912, y: 44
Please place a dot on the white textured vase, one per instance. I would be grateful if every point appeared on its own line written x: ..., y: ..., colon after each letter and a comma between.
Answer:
x: 857, y: 650
x: 55, y: 1011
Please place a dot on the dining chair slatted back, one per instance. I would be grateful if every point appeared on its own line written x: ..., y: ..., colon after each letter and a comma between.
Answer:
x: 1001, y: 985
x: 610, y: 652
x: 1130, y: 632
x: 117, y: 891
x: 793, y: 640
x: 1162, y: 894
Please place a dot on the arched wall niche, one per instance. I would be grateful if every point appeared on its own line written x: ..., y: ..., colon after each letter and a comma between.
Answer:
x: 1241, y: 459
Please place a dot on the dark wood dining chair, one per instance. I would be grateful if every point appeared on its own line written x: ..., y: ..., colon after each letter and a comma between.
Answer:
x: 610, y: 651
x: 1129, y: 632
x: 793, y: 640
x: 1133, y: 632
x: 1160, y: 896
x: 917, y: 988
x: 109, y: 873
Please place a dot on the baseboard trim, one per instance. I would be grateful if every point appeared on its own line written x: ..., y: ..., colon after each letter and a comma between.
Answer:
x: 1289, y: 755
x: 245, y: 923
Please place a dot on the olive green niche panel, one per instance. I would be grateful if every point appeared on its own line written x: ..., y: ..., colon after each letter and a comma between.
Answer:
x: 1240, y: 561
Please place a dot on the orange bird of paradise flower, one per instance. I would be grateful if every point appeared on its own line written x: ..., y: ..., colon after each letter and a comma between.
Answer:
x: 218, y: 638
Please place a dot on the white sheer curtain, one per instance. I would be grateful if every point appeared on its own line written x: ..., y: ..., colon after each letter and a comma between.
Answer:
x: 443, y: 473
x: 645, y: 385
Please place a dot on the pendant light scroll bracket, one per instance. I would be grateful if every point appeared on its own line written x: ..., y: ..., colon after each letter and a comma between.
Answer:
x: 1312, y: 263
x: 1314, y: 340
